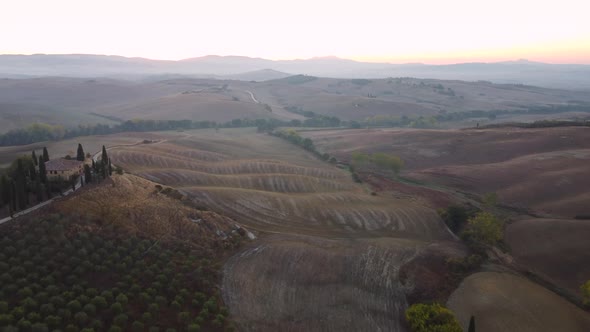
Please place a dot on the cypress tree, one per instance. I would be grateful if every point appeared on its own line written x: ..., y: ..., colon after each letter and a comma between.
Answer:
x: 20, y: 185
x: 45, y: 154
x: 471, y: 325
x: 80, y: 154
x: 35, y: 160
x: 4, y: 190
x: 32, y: 172
x: 39, y: 191
x: 12, y: 197
x: 42, y: 170
x: 104, y: 163
x: 105, y: 157
x: 87, y: 174
x: 110, y: 168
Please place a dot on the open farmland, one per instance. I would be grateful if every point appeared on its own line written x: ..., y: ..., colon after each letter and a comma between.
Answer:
x: 541, y: 169
x: 91, y: 144
x: 557, y: 249
x: 74, y: 101
x: 269, y: 184
x: 505, y: 302
x: 315, y: 226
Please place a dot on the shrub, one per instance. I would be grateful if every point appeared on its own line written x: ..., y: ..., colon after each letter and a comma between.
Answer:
x: 100, y: 302
x: 74, y: 305
x: 483, y: 229
x: 137, y: 326
x: 53, y: 321
x: 122, y: 298
x: 71, y: 328
x: 6, y: 319
x: 193, y: 328
x: 183, y: 317
x: 147, y: 317
x: 90, y: 309
x: 24, y: 325
x: 585, y: 288
x: 39, y: 327
x: 120, y: 320
x: 96, y: 325
x: 431, y: 318
x: 3, y: 307
x: 115, y: 329
x: 81, y: 317
x: 116, y: 308
x: 47, y: 309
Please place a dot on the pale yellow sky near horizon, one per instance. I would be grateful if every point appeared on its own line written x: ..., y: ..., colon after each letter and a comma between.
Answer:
x: 372, y: 30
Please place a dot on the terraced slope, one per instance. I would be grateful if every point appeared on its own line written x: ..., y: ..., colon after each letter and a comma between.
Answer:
x: 329, y: 253
x: 271, y: 185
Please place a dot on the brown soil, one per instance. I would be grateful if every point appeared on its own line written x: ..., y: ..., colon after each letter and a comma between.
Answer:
x: 505, y: 302
x: 556, y: 249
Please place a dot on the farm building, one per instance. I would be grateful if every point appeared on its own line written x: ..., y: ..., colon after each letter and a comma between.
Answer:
x: 63, y: 168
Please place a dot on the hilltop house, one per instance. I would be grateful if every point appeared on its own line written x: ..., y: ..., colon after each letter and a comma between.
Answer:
x: 63, y: 168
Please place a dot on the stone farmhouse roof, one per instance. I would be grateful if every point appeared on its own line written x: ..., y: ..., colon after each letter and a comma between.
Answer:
x: 62, y: 165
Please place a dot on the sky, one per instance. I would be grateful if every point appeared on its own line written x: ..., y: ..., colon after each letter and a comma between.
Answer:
x: 449, y: 31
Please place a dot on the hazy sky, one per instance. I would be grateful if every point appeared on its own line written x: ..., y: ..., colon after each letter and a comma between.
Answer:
x: 392, y: 31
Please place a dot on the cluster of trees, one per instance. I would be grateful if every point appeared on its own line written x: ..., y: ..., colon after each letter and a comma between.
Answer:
x: 380, y: 160
x: 400, y: 121
x: 479, y: 229
x: 543, y: 124
x: 306, y: 143
x: 43, y: 132
x: 61, y: 274
x: 26, y: 178
x: 585, y: 288
x: 432, y: 318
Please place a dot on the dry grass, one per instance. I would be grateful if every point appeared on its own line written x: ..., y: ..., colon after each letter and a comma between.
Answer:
x: 504, y: 302
x: 333, y: 258
x: 273, y: 186
x: 133, y: 203
x: 557, y: 249
x: 542, y: 169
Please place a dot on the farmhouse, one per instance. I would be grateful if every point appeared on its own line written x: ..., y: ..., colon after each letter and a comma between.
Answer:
x: 63, y: 168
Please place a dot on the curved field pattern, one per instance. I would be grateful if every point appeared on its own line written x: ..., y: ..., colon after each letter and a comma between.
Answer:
x: 271, y: 185
x: 330, y: 253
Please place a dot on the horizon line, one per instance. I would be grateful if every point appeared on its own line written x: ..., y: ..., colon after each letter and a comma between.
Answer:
x: 327, y: 57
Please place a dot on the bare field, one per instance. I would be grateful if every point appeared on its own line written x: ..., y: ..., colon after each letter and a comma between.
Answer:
x: 71, y: 101
x: 505, y: 302
x: 557, y: 249
x: 329, y: 253
x: 231, y: 171
x: 294, y: 283
x: 541, y: 169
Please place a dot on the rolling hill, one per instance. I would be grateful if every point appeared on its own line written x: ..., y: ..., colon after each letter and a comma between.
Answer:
x: 85, y: 65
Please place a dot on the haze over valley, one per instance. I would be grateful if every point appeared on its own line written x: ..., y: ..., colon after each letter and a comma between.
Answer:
x: 371, y: 166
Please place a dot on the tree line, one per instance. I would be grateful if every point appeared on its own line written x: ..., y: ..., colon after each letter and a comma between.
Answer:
x: 26, y: 180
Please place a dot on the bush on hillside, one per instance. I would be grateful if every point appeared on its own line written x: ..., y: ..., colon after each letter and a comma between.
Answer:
x: 431, y: 318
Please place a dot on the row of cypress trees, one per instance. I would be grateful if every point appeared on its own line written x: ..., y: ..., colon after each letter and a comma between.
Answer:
x: 27, y: 176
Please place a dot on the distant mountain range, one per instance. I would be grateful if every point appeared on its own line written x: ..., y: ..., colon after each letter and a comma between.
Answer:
x: 567, y: 76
